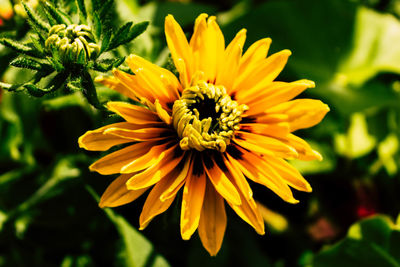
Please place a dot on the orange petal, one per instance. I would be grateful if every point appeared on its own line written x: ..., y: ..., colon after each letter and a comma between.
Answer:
x: 277, y: 92
x: 254, y: 54
x: 262, y: 74
x: 192, y: 202
x: 113, y: 83
x: 238, y: 176
x: 179, y: 179
x: 213, y: 221
x: 153, y: 205
x: 280, y: 129
x: 117, y: 194
x: 157, y: 171
x: 133, y: 113
x: 255, y: 168
x: 152, y: 157
x: 264, y: 145
x: 178, y: 45
x: 249, y: 212
x: 114, y: 162
x: 289, y: 174
x: 303, y: 148
x: 303, y: 113
x: 220, y: 181
x: 96, y: 140
x: 143, y: 134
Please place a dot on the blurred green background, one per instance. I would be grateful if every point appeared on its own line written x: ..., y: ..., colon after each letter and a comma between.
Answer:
x: 351, y: 49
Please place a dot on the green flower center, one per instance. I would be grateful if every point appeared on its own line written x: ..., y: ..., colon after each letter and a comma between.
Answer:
x: 73, y: 43
x: 205, y: 117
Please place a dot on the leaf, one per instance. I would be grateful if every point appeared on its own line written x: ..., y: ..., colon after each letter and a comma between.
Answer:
x: 357, y: 142
x: 18, y: 47
x: 97, y: 25
x: 127, y: 33
x: 373, y: 50
x: 35, y: 20
x: 105, y: 65
x: 59, y: 16
x: 370, y: 242
x: 139, y: 252
x: 82, y: 11
x: 29, y: 63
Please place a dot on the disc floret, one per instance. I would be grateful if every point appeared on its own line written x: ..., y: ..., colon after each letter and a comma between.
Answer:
x: 205, y: 117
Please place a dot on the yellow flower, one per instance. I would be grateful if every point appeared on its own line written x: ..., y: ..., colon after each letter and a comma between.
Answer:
x: 224, y: 121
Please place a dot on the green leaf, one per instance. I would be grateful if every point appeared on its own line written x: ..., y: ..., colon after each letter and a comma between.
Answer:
x: 82, y: 11
x: 29, y: 63
x: 357, y: 142
x: 35, y: 20
x: 59, y: 16
x: 108, y: 64
x: 105, y: 41
x: 105, y: 9
x: 138, y: 251
x: 371, y: 242
x: 89, y: 91
x: 127, y: 33
x: 373, y: 48
x: 97, y: 25
x: 18, y: 47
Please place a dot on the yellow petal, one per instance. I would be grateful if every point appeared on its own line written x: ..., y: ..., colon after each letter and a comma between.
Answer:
x: 133, y: 113
x: 143, y: 134
x: 260, y: 99
x: 264, y: 145
x: 192, y: 202
x: 213, y: 221
x: 229, y: 67
x: 117, y: 194
x: 178, y: 45
x: 179, y: 179
x: 220, y: 181
x: 113, y: 83
x: 262, y: 73
x: 114, y: 162
x: 96, y: 140
x: 157, y: 171
x: 152, y: 157
x: 131, y: 82
x: 254, y: 54
x: 255, y: 168
x: 288, y: 173
x: 153, y: 205
x: 238, y: 176
x: 303, y: 148
x: 249, y: 212
x: 303, y: 113
x: 279, y: 130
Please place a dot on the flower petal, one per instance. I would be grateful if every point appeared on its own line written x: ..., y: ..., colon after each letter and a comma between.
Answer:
x: 264, y: 145
x: 221, y: 183
x: 254, y: 54
x: 259, y: 99
x: 117, y: 194
x: 178, y: 45
x: 192, y: 202
x: 133, y: 113
x: 303, y: 113
x: 114, y: 162
x: 213, y: 221
x: 288, y: 173
x: 263, y: 73
x: 303, y: 148
x: 143, y: 134
x: 158, y: 170
x: 96, y: 140
x: 113, y: 83
x: 153, y: 205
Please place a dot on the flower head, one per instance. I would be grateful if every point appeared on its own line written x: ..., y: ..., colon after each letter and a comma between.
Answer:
x: 224, y: 121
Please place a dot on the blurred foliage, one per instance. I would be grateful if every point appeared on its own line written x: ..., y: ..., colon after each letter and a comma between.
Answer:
x: 350, y: 48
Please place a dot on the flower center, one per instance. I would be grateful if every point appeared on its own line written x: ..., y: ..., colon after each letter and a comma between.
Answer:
x: 73, y: 43
x: 205, y: 117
